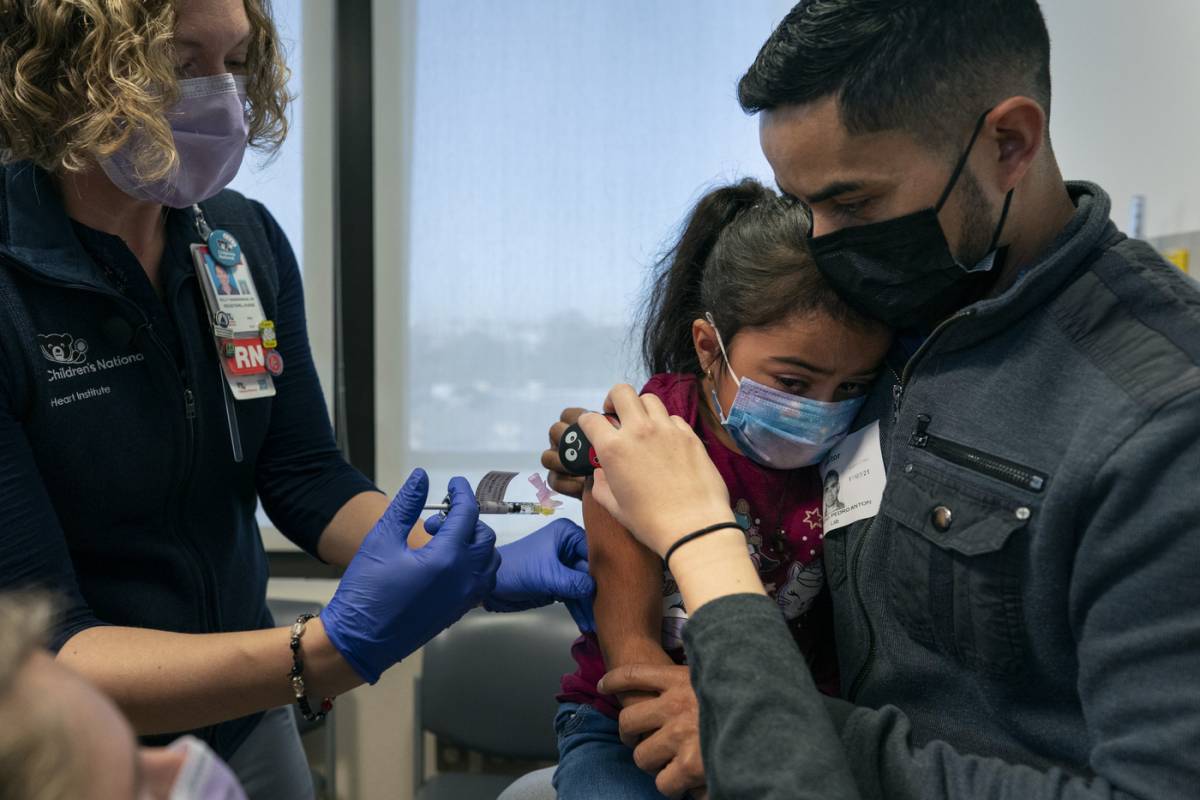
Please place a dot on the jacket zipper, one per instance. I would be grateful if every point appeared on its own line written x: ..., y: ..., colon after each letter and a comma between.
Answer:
x: 174, y: 503
x: 978, y: 461
x: 189, y: 410
x: 211, y: 612
x: 864, y: 672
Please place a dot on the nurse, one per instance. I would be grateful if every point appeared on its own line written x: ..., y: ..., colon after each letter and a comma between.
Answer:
x: 142, y: 413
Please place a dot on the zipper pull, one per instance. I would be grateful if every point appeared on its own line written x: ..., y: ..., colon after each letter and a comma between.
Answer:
x: 897, y: 396
x: 189, y: 404
x: 919, y: 436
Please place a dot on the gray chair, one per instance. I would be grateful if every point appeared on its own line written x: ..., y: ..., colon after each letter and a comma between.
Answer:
x: 487, y: 684
x: 285, y: 613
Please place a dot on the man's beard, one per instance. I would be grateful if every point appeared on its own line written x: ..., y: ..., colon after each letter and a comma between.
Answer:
x: 979, y: 222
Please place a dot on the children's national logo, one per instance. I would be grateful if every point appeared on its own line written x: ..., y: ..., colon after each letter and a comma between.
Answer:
x: 63, y: 348
x: 72, y: 359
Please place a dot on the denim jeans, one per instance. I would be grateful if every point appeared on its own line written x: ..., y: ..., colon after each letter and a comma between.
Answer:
x: 593, y: 763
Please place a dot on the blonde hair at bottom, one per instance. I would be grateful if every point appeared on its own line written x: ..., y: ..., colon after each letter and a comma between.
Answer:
x: 37, y: 761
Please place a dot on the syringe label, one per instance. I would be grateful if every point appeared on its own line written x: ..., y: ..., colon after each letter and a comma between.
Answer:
x: 493, y: 485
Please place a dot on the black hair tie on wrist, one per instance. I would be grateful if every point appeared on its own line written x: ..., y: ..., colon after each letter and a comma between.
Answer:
x: 696, y: 535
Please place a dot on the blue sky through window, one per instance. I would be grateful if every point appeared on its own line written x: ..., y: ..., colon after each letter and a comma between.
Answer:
x: 557, y: 145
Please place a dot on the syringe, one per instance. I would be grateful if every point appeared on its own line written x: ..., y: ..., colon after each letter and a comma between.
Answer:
x: 501, y: 507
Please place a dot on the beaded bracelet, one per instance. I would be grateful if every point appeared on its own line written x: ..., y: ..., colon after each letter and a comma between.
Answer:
x: 720, y: 526
x: 297, y: 675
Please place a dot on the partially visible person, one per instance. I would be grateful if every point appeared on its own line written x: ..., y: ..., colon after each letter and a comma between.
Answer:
x: 62, y: 739
x: 749, y: 346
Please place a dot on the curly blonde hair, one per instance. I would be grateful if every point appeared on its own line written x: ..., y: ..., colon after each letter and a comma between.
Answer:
x: 79, y: 77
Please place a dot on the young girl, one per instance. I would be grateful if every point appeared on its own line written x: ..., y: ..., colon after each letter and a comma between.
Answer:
x: 747, y: 343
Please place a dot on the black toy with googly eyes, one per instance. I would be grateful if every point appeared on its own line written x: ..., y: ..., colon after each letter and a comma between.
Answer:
x: 576, y: 453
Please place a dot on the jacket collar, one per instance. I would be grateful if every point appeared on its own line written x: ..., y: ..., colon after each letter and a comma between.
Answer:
x: 1089, y: 233
x: 36, y: 231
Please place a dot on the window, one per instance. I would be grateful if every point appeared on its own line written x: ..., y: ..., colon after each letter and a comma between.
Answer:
x: 278, y: 183
x: 555, y: 148
x: 295, y: 183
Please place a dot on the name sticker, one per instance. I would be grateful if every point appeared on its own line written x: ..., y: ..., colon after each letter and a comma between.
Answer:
x: 853, y: 479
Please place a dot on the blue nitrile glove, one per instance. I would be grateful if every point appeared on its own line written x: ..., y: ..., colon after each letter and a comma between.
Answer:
x: 393, y: 599
x: 547, y: 565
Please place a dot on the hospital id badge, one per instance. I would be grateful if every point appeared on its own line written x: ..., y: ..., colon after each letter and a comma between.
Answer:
x: 236, y: 317
x: 853, y: 479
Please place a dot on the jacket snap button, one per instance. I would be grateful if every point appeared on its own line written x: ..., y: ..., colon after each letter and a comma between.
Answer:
x: 1022, y: 513
x: 941, y: 518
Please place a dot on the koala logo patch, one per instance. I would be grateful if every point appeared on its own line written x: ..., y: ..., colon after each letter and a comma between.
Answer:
x: 63, y: 348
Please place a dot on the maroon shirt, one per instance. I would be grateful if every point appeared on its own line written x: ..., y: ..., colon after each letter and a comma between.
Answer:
x: 780, y: 512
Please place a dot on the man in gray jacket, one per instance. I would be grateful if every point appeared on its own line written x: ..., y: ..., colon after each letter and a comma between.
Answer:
x: 1020, y: 617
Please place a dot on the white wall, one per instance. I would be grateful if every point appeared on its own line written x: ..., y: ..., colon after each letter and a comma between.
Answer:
x: 1126, y: 103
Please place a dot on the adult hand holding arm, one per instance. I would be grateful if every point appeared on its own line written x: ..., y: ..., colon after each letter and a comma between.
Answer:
x: 664, y: 728
x: 658, y: 481
x: 664, y: 731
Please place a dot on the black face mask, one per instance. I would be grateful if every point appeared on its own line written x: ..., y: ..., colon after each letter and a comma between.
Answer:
x: 901, y: 271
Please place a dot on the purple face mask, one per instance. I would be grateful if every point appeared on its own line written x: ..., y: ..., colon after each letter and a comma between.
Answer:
x: 210, y: 130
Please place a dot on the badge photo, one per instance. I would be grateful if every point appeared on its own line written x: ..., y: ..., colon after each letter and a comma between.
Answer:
x: 229, y: 292
x: 226, y: 281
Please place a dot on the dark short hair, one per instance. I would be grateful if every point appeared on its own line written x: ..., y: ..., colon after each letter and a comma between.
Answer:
x: 930, y: 67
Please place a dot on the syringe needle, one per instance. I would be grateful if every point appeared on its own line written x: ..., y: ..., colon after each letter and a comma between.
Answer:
x: 501, y: 507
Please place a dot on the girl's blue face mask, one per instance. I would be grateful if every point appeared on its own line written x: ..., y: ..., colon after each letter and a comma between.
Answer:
x: 781, y: 430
